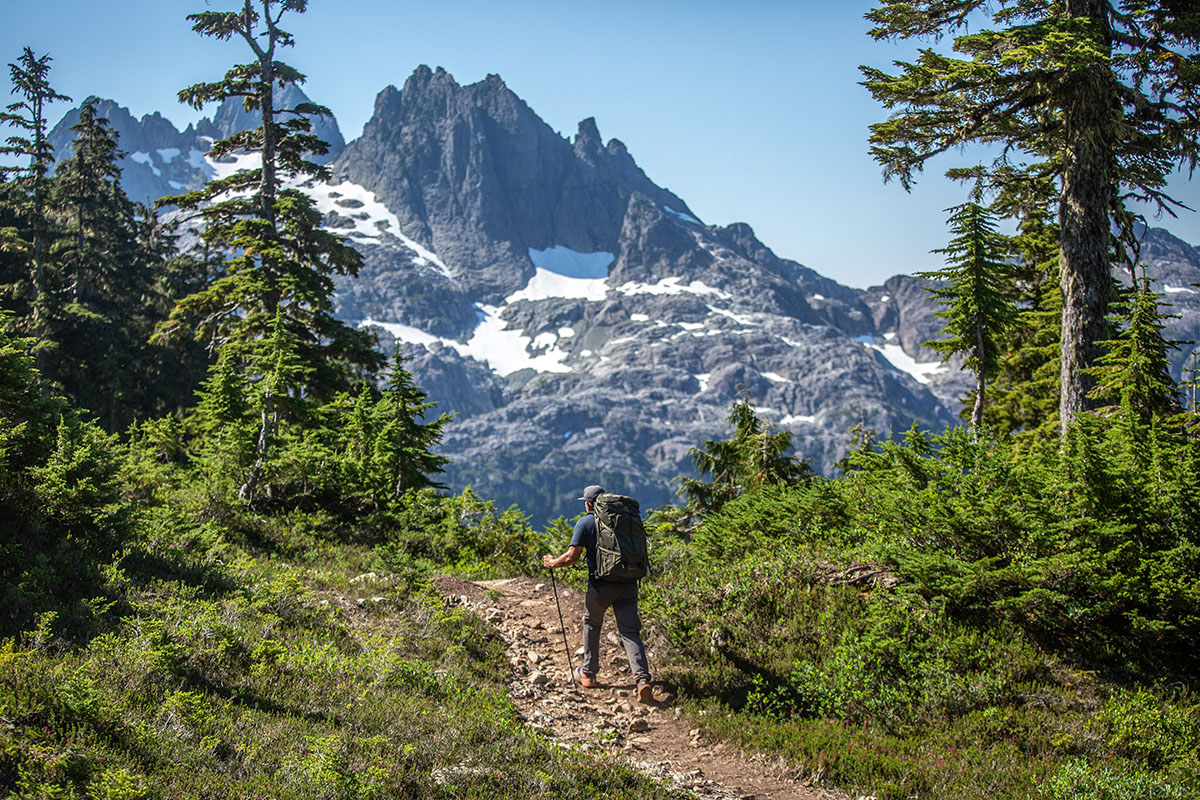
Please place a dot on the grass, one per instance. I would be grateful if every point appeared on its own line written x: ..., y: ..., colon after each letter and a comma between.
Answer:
x: 272, y: 677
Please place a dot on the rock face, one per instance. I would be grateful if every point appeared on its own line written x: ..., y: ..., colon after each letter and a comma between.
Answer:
x: 581, y: 322
x: 615, y: 327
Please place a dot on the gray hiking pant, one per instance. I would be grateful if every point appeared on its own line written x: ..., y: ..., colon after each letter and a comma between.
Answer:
x: 623, y: 598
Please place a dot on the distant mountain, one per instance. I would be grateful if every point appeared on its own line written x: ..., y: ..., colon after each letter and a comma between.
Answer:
x: 161, y: 160
x: 583, y: 323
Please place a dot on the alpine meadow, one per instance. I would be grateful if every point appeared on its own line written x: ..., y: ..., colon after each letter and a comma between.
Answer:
x: 288, y: 423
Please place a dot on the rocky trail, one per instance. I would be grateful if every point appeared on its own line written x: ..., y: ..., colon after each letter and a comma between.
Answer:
x: 657, y: 738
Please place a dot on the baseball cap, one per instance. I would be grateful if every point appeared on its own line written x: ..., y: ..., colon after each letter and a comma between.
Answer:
x: 591, y: 493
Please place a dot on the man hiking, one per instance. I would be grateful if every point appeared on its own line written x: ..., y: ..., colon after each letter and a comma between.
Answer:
x: 612, y: 537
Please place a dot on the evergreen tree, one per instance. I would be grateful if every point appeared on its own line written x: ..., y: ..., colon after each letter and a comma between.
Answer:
x: 403, y: 456
x: 106, y: 279
x: 26, y: 198
x: 1100, y: 97
x: 277, y: 286
x: 1024, y: 394
x: 977, y: 296
x: 1134, y: 374
x: 753, y: 458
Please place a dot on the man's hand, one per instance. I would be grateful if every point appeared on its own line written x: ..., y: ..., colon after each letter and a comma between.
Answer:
x: 565, y: 560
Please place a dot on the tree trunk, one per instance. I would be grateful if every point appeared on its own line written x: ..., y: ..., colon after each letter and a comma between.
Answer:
x: 1085, y: 237
x: 266, y: 104
x: 38, y: 276
x: 980, y: 384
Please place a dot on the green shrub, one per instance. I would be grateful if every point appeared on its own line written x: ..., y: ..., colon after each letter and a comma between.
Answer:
x: 1080, y: 779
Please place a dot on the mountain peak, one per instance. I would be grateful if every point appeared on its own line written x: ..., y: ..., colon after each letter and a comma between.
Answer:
x: 588, y: 144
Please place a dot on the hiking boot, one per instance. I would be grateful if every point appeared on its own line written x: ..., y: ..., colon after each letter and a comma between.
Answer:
x: 585, y: 680
x: 645, y: 692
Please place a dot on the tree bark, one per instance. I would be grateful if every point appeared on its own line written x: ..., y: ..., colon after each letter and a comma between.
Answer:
x: 1085, y: 237
x: 266, y: 104
x: 980, y: 384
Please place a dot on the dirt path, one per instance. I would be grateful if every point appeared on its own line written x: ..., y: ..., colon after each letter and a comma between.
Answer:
x: 658, y: 738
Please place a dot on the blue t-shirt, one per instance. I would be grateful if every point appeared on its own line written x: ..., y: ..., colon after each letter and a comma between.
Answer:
x: 585, y: 537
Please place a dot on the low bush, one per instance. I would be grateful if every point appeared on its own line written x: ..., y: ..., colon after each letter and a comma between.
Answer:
x: 953, y: 617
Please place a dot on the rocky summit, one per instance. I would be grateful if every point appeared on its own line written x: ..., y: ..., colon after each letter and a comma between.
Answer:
x: 582, y: 322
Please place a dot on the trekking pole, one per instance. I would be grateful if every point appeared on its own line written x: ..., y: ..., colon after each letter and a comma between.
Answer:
x: 562, y: 626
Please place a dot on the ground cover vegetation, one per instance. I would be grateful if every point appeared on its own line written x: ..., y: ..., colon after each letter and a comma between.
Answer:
x: 219, y: 509
x: 1007, y: 610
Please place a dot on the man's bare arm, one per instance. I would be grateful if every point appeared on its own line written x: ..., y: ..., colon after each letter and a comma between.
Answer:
x: 565, y: 560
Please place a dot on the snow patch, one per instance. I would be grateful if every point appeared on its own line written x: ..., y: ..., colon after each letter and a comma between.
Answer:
x: 681, y: 215
x: 671, y: 286
x: 196, y: 160
x: 563, y: 272
x: 571, y: 263
x: 144, y: 158
x: 566, y: 333
x: 1169, y: 289
x: 774, y: 377
x: 402, y: 332
x: 703, y: 378
x: 168, y: 154
x: 371, y: 218
x: 887, y: 298
x: 890, y: 335
x: 819, y: 297
x: 792, y: 419
x: 505, y: 351
x: 741, y: 319
x: 919, y: 370
x: 232, y: 164
x: 639, y: 317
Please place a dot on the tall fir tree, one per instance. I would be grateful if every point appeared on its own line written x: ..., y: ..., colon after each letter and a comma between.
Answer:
x: 29, y: 239
x: 403, y: 454
x: 977, y: 294
x: 1101, y: 97
x: 106, y: 280
x: 1025, y: 391
x: 1134, y: 374
x: 277, y: 285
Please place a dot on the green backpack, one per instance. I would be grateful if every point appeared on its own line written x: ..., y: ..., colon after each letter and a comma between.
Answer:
x: 621, y: 553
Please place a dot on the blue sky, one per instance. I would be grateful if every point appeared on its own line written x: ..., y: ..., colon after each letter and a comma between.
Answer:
x: 750, y: 112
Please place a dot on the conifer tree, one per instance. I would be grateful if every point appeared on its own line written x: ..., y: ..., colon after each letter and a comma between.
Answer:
x: 755, y: 457
x: 977, y: 296
x: 27, y: 196
x: 1134, y: 374
x: 278, y: 285
x: 403, y: 448
x: 1024, y: 393
x: 1101, y: 97
x: 106, y: 279
x: 385, y: 446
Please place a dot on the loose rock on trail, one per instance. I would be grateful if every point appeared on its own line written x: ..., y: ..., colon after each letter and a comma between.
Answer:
x: 657, y: 738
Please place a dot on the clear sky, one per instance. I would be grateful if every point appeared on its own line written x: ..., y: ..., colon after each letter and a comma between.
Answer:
x: 750, y: 111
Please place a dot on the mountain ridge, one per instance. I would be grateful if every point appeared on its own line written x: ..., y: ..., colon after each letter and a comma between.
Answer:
x: 582, y: 321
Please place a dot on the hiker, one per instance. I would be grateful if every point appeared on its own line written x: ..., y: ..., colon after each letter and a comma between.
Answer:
x: 620, y: 594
